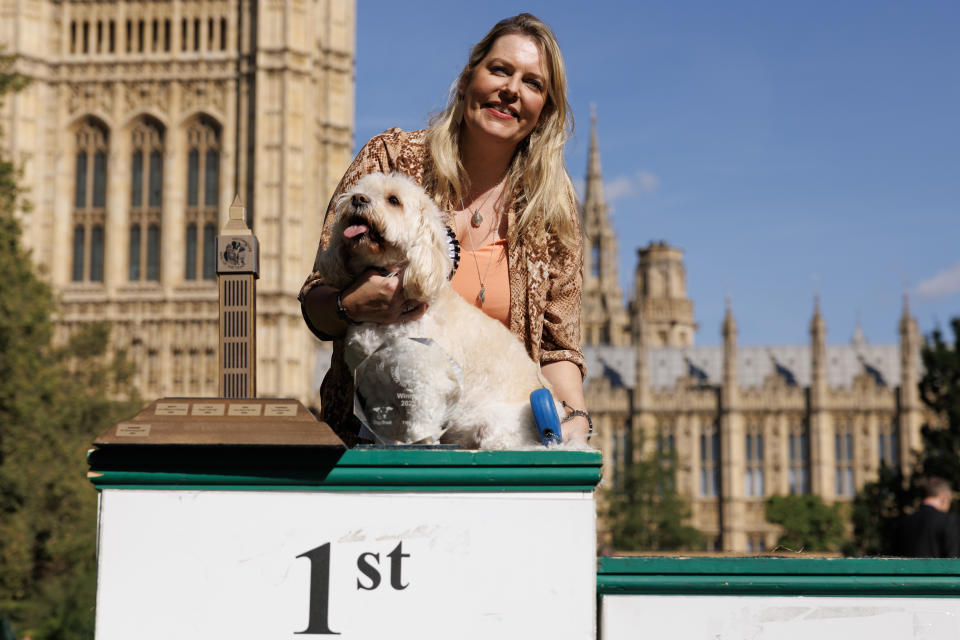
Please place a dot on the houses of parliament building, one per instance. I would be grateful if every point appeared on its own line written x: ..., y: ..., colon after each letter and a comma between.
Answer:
x: 141, y: 122
x: 745, y: 423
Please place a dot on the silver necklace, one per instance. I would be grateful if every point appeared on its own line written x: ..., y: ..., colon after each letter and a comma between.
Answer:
x: 473, y: 251
x: 476, y: 219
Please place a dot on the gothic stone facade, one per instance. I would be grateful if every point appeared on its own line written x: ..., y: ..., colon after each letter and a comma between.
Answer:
x: 746, y: 423
x: 141, y: 123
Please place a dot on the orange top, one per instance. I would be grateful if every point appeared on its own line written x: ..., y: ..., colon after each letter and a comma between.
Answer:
x: 491, y: 259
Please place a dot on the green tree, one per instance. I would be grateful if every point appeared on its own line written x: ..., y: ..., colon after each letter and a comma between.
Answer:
x: 940, y: 391
x: 875, y: 511
x: 645, y: 513
x: 879, y: 505
x: 808, y: 523
x: 53, y: 402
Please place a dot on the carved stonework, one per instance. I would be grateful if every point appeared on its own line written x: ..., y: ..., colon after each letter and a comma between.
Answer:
x: 204, y: 94
x: 152, y: 94
x: 87, y: 97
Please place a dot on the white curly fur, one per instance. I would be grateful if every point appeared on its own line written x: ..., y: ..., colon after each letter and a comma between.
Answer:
x: 492, y: 410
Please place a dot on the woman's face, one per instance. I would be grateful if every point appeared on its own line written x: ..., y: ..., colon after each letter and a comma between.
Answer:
x: 507, y: 90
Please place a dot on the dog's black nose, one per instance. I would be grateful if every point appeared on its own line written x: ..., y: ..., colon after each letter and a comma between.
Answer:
x: 358, y: 200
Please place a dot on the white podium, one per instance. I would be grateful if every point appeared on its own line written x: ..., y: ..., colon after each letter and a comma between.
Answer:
x: 276, y: 541
x: 779, y: 598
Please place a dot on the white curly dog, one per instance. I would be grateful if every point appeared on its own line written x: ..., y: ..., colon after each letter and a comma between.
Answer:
x: 472, y: 391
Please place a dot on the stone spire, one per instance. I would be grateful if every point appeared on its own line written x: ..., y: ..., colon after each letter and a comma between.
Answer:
x: 594, y: 204
x: 908, y: 325
x: 643, y: 425
x: 909, y: 409
x: 729, y: 323
x: 818, y: 344
x: 859, y: 340
x: 729, y: 356
x: 733, y: 507
x: 604, y: 317
x: 821, y: 423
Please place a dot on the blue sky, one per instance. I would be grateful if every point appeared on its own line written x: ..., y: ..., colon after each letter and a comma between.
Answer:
x: 786, y: 147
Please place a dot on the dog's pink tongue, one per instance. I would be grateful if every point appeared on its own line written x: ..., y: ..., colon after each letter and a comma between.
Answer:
x: 354, y: 230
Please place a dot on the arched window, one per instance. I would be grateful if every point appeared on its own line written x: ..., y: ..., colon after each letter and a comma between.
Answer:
x: 146, y: 200
x: 843, y: 457
x: 799, y: 449
x: 203, y: 192
x: 753, y: 478
x: 666, y: 437
x: 79, y: 248
x: 710, y: 459
x: 96, y: 253
x: 89, y: 202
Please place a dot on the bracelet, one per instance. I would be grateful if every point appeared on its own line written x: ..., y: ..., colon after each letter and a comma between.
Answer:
x: 573, y: 413
x: 342, y: 313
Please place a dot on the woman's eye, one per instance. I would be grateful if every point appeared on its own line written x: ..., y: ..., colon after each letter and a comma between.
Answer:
x: 394, y: 200
x: 535, y: 84
x: 498, y: 70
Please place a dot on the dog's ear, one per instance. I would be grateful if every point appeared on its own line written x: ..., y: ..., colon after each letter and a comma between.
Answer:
x: 331, y: 263
x: 429, y: 264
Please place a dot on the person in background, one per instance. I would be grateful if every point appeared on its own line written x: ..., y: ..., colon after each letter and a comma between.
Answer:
x: 931, y: 530
x: 493, y: 158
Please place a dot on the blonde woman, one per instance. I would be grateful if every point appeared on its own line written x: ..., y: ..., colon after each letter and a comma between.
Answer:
x: 493, y: 158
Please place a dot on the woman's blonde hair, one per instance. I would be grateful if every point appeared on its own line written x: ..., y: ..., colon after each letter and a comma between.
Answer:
x: 537, y: 165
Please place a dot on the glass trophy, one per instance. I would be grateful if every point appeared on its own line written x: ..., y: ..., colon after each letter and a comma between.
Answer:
x: 404, y: 390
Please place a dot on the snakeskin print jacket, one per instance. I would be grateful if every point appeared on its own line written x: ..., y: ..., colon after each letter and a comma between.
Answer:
x: 545, y: 279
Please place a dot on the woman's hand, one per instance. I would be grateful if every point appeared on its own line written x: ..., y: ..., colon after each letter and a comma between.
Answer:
x: 575, y: 429
x: 568, y: 386
x: 377, y: 296
x: 373, y: 297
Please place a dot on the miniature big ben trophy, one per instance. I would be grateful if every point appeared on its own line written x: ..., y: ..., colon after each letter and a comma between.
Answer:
x: 238, y: 267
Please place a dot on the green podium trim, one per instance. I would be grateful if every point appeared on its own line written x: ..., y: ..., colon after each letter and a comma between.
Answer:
x: 376, y: 469
x: 894, y: 577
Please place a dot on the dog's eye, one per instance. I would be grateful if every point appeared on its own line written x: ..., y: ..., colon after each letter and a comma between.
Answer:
x: 394, y: 200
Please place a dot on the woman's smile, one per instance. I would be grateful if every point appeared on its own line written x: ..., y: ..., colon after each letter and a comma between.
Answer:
x: 501, y: 111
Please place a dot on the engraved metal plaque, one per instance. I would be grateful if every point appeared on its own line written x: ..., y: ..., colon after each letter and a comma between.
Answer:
x: 133, y: 429
x: 172, y: 408
x: 245, y: 409
x: 279, y: 410
x: 208, y: 409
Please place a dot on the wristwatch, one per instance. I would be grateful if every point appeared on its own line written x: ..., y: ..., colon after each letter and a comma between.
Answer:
x: 342, y: 313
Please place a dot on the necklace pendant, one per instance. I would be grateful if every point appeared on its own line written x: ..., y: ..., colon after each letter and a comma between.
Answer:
x: 476, y: 219
x: 480, y: 295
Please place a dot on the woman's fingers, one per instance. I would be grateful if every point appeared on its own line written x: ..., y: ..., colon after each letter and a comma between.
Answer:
x: 376, y: 296
x: 414, y: 313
